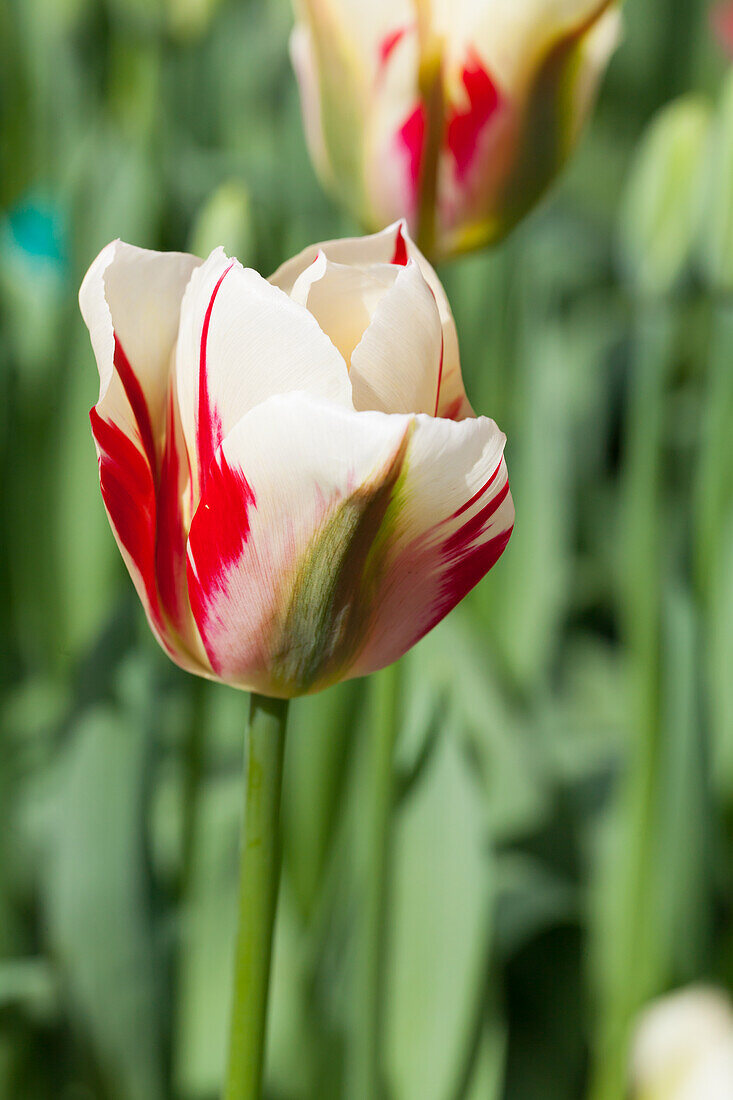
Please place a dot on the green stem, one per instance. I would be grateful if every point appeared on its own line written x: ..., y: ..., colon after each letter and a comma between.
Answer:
x: 714, y: 479
x: 366, y: 1068
x: 259, y: 876
x: 193, y: 765
x: 634, y: 975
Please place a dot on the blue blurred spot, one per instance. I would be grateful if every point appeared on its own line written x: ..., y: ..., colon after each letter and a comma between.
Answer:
x: 37, y: 228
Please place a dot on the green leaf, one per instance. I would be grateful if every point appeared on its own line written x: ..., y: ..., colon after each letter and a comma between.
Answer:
x: 207, y: 942
x: 98, y: 916
x: 487, y: 1074
x: 512, y: 773
x: 663, y: 201
x: 720, y: 663
x: 716, y: 244
x: 439, y: 929
x: 314, y: 781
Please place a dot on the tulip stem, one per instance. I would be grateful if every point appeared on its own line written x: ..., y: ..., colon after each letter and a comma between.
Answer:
x: 259, y: 877
x: 366, y: 1068
x: 638, y: 970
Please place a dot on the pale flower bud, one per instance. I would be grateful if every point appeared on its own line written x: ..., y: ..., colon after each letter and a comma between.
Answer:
x: 683, y: 1049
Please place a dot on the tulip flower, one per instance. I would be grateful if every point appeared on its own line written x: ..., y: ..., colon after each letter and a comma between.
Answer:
x: 294, y: 476
x: 683, y: 1048
x: 456, y: 115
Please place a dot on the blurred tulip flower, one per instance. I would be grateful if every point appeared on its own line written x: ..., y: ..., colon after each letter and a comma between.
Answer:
x: 454, y: 114
x: 721, y: 19
x: 684, y: 1048
x: 295, y: 478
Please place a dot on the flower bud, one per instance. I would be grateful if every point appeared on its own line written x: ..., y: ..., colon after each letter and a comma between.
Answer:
x: 660, y: 215
x: 453, y: 114
x: 716, y: 251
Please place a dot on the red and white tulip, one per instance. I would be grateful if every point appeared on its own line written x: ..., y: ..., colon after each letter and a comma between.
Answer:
x: 454, y: 113
x: 295, y: 478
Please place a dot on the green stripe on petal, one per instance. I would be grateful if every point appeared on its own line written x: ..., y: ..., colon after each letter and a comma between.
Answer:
x: 335, y: 587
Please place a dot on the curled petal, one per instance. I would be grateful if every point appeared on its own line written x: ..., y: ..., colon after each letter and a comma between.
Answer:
x: 392, y: 246
x: 405, y: 333
x: 343, y: 298
x: 130, y: 301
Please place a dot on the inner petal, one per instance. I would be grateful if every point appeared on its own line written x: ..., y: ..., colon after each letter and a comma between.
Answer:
x: 343, y: 298
x: 398, y: 364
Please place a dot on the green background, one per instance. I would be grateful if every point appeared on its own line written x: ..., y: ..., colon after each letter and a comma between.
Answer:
x: 561, y: 849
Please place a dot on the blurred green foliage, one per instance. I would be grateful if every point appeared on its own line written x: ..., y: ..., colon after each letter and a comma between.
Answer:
x: 563, y: 836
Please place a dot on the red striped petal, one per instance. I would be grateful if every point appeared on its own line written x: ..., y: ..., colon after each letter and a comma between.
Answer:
x: 138, y: 404
x: 465, y: 125
x: 129, y: 497
x: 400, y: 256
x: 219, y: 531
x: 170, y: 541
x: 208, y: 429
x: 411, y: 136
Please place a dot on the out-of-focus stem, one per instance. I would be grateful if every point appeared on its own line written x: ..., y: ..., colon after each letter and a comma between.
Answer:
x: 259, y: 878
x: 715, y: 473
x: 193, y: 756
x: 636, y: 960
x: 366, y: 1066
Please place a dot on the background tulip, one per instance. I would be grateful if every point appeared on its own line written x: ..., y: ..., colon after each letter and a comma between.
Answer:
x: 683, y: 1048
x: 292, y: 471
x: 457, y: 115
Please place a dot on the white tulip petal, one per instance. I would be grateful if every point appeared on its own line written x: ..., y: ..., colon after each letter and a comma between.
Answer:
x: 397, y: 365
x: 269, y: 543
x: 241, y: 341
x: 392, y: 246
x: 303, y: 58
x: 364, y: 26
x: 130, y: 300
x: 327, y: 541
x: 343, y: 298
x: 511, y: 37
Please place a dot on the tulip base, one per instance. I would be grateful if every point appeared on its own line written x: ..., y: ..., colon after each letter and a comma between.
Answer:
x: 259, y: 878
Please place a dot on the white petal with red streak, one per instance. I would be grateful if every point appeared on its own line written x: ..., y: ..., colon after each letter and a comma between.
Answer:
x: 135, y: 295
x: 245, y: 341
x: 130, y: 300
x: 455, y: 519
x: 277, y: 479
